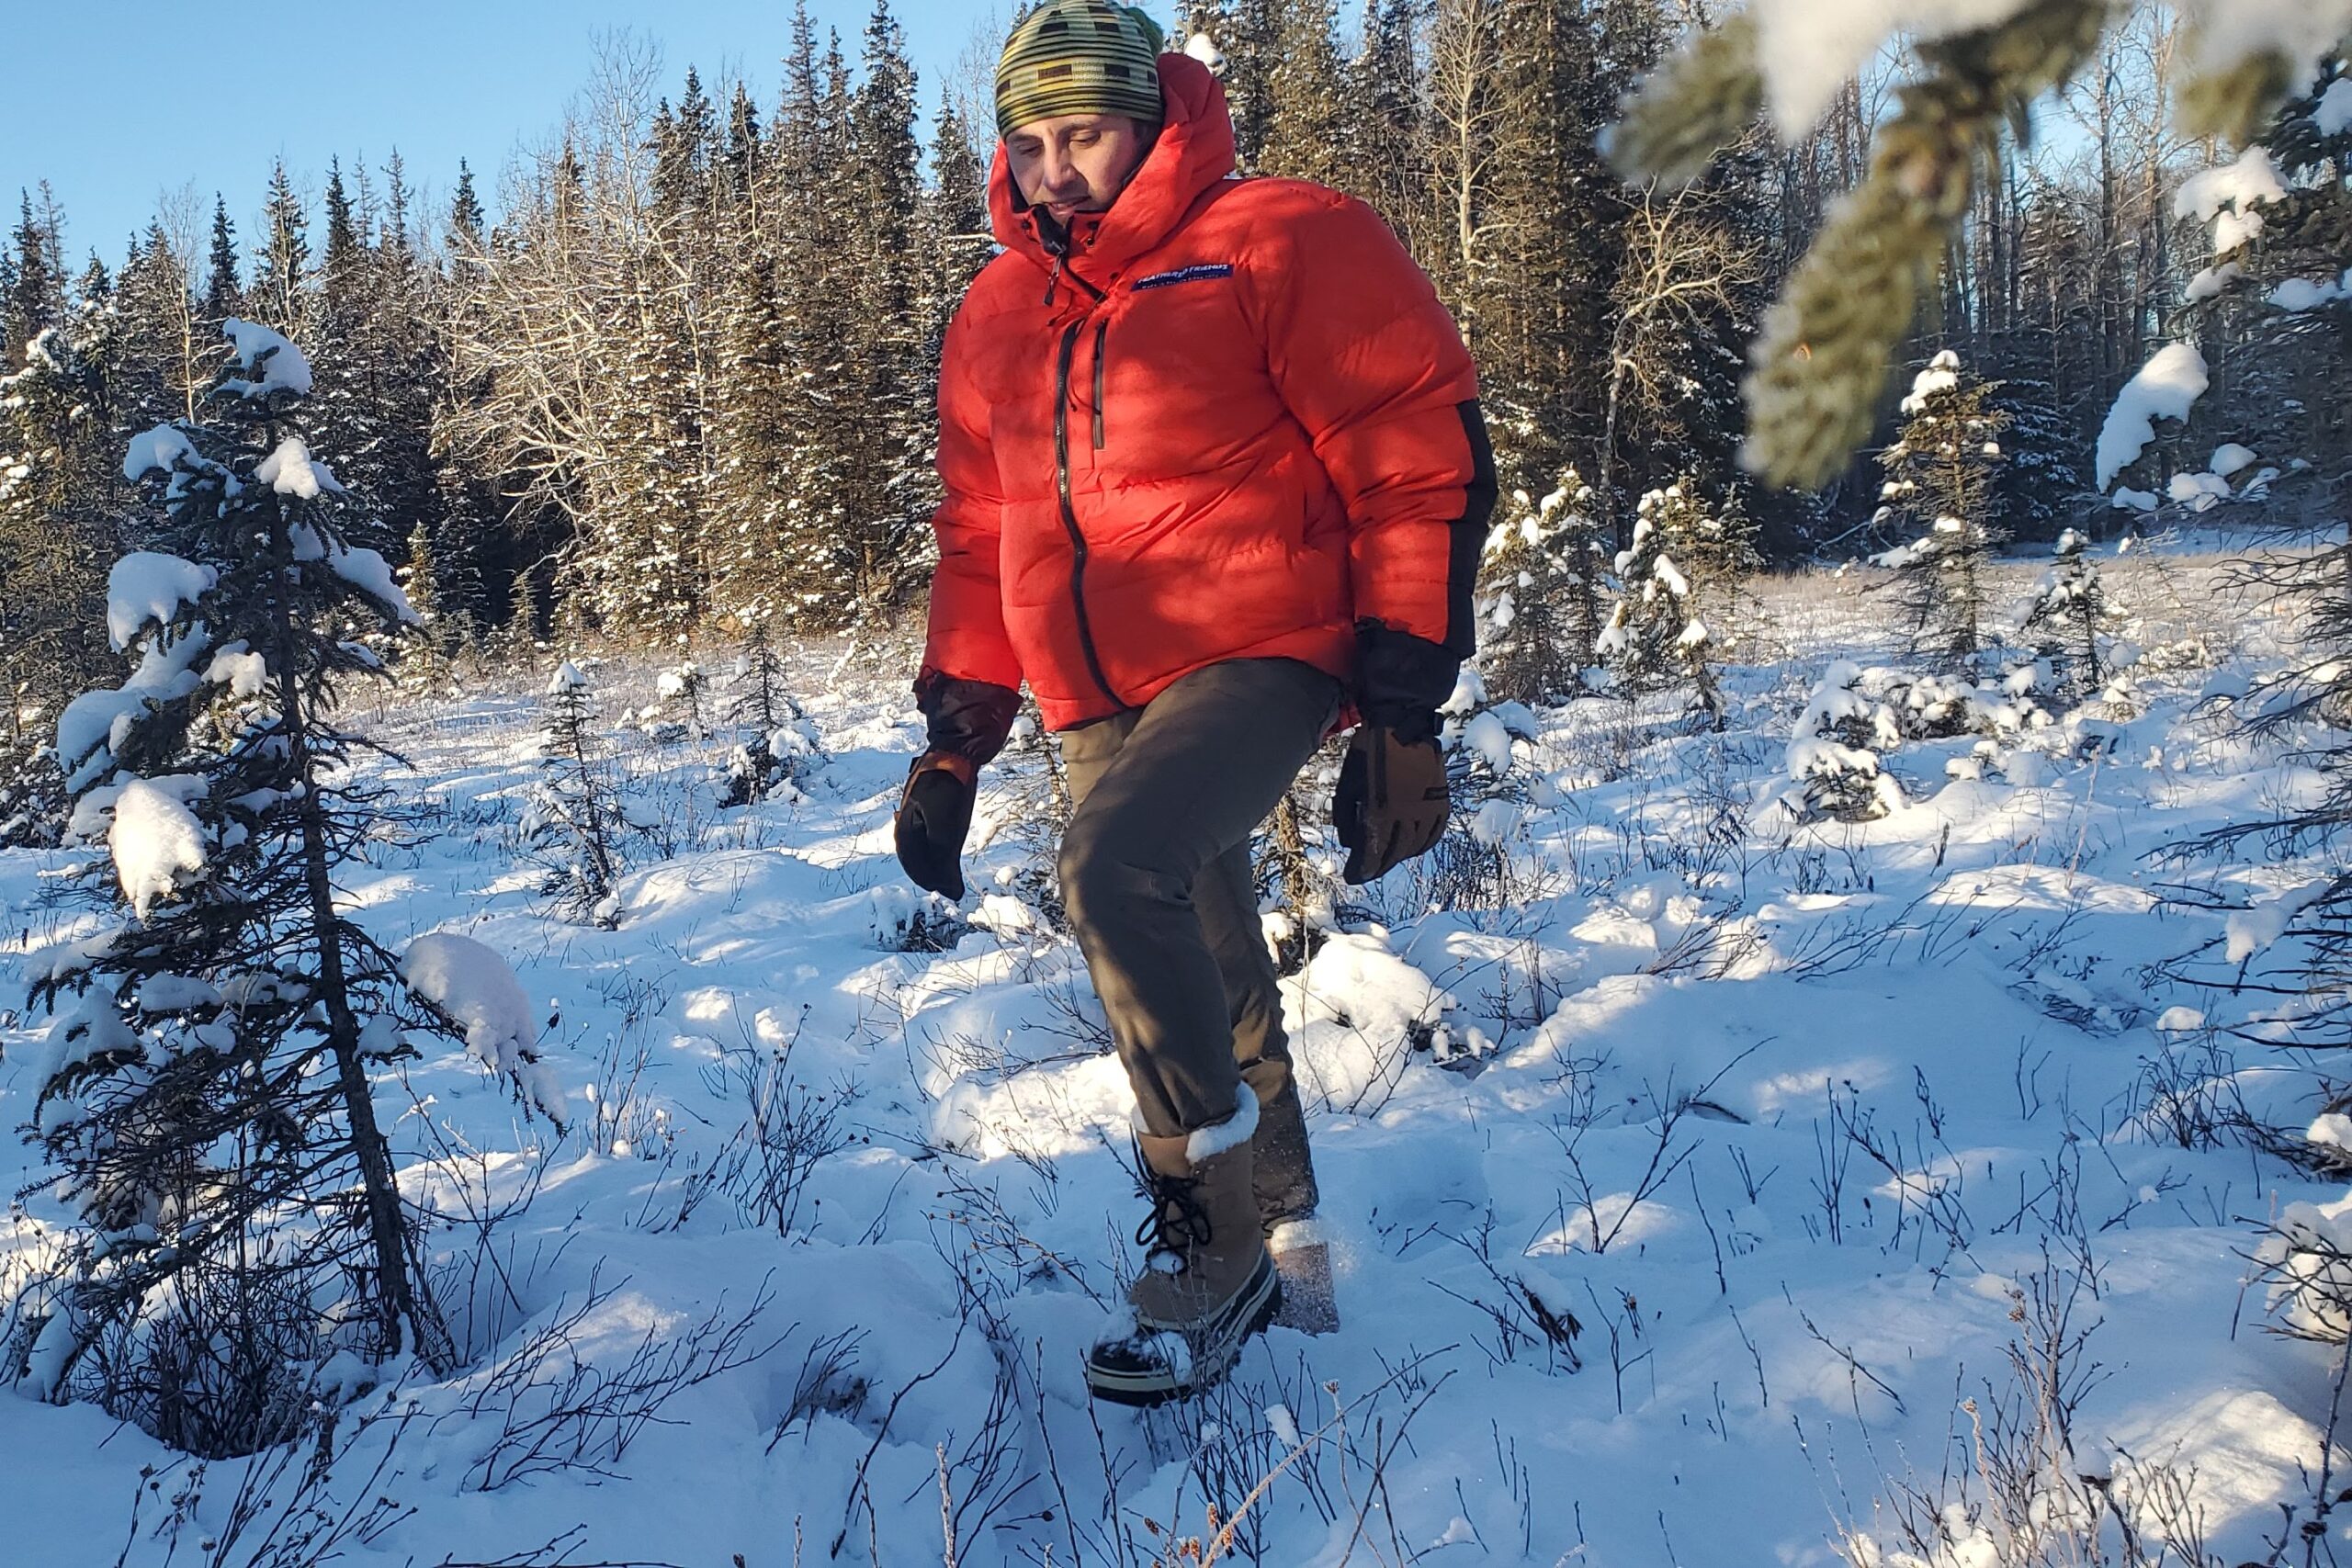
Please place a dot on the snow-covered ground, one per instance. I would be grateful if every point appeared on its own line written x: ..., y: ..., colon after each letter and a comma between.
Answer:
x: 1702, y: 1193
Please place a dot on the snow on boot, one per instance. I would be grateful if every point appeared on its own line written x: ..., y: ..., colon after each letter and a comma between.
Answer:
x: 1302, y: 1262
x: 1208, y: 1283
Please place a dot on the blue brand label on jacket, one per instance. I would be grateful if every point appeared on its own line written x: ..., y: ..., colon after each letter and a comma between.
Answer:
x: 1199, y: 273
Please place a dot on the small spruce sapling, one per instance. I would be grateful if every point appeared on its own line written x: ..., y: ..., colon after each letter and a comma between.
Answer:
x: 1656, y: 638
x: 575, y: 822
x: 1493, y: 764
x: 208, y: 1092
x: 2066, y: 618
x: 1540, y: 613
x: 1833, y: 757
x: 1941, y: 476
x: 779, y: 744
x: 681, y: 690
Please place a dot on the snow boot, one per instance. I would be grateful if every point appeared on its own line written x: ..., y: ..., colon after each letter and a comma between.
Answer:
x: 1302, y: 1262
x: 1208, y: 1283
x: 1283, y: 1174
x: 1285, y: 1181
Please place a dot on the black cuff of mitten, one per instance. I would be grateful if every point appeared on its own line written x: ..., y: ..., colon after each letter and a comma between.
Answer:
x: 970, y: 719
x: 1402, y: 679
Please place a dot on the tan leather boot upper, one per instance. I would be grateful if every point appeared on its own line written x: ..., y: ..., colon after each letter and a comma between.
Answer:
x: 1203, y: 1242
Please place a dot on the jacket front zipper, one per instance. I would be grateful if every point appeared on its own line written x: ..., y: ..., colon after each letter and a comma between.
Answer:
x: 1102, y: 333
x: 1069, y: 513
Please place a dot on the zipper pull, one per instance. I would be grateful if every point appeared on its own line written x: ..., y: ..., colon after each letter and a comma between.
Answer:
x: 1052, y: 279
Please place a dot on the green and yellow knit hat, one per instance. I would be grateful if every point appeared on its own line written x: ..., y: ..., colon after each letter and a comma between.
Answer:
x: 1080, y: 57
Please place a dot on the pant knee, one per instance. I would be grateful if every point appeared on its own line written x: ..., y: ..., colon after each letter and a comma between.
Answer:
x: 1104, y: 869
x: 1089, y: 869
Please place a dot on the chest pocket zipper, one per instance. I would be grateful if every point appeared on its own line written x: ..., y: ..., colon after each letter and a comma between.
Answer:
x: 1101, y: 338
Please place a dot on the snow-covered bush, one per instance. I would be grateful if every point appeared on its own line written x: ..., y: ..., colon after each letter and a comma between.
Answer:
x: 2066, y: 617
x: 1833, y: 757
x: 779, y: 747
x: 1937, y: 707
x: 2307, y: 1259
x: 908, y: 919
x: 681, y: 690
x: 1483, y: 861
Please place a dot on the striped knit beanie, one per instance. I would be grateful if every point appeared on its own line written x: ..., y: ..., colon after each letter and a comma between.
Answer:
x: 1080, y: 57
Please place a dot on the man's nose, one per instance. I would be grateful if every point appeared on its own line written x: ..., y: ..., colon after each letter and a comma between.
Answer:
x: 1057, y: 170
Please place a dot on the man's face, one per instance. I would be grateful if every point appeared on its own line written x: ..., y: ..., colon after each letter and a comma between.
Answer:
x: 1075, y: 163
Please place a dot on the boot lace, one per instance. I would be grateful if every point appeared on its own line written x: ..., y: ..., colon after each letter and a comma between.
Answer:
x: 1177, y: 1222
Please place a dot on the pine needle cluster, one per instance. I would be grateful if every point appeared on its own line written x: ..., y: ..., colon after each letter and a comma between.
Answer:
x: 1823, y: 358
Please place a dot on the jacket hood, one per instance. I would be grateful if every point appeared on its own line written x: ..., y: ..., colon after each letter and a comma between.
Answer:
x: 1194, y: 151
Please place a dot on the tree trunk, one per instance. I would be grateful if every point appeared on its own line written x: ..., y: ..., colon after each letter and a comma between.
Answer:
x: 396, y: 1301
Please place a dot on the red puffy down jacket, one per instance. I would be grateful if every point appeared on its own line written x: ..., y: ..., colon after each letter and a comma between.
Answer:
x: 1230, y: 420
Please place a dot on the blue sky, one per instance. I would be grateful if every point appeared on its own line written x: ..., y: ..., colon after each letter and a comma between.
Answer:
x: 131, y: 99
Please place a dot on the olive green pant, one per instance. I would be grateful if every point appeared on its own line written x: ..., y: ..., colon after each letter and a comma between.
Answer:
x: 1156, y: 877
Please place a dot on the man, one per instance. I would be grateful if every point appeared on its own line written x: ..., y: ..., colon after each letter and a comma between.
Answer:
x: 1214, y: 474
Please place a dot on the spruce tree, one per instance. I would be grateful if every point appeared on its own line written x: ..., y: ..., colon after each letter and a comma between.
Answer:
x: 1833, y: 757
x: 1540, y: 294
x: 209, y: 1100
x: 448, y: 597
x: 1655, y: 637
x: 95, y: 322
x: 777, y: 737
x: 1389, y: 132
x: 891, y: 493
x: 684, y: 141
x: 752, y: 449
x: 343, y: 252
x: 2038, y: 483
x: 643, y: 571
x: 406, y: 361
x: 741, y: 160
x: 279, y: 298
x: 1540, y: 596
x: 35, y: 299
x: 224, y: 296
x: 467, y: 539
x: 56, y: 540
x: 575, y: 824
x: 371, y: 412
x: 814, y: 277
x: 2271, y: 312
x: 1940, y: 478
x: 169, y: 352
x: 2067, y: 616
x: 1307, y: 120
x: 465, y: 216
x: 1247, y: 36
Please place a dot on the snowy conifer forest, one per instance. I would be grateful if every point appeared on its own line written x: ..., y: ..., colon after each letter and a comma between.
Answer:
x: 1865, y: 1077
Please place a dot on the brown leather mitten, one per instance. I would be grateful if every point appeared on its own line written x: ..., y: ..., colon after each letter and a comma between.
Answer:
x: 934, y: 813
x: 1392, y: 801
